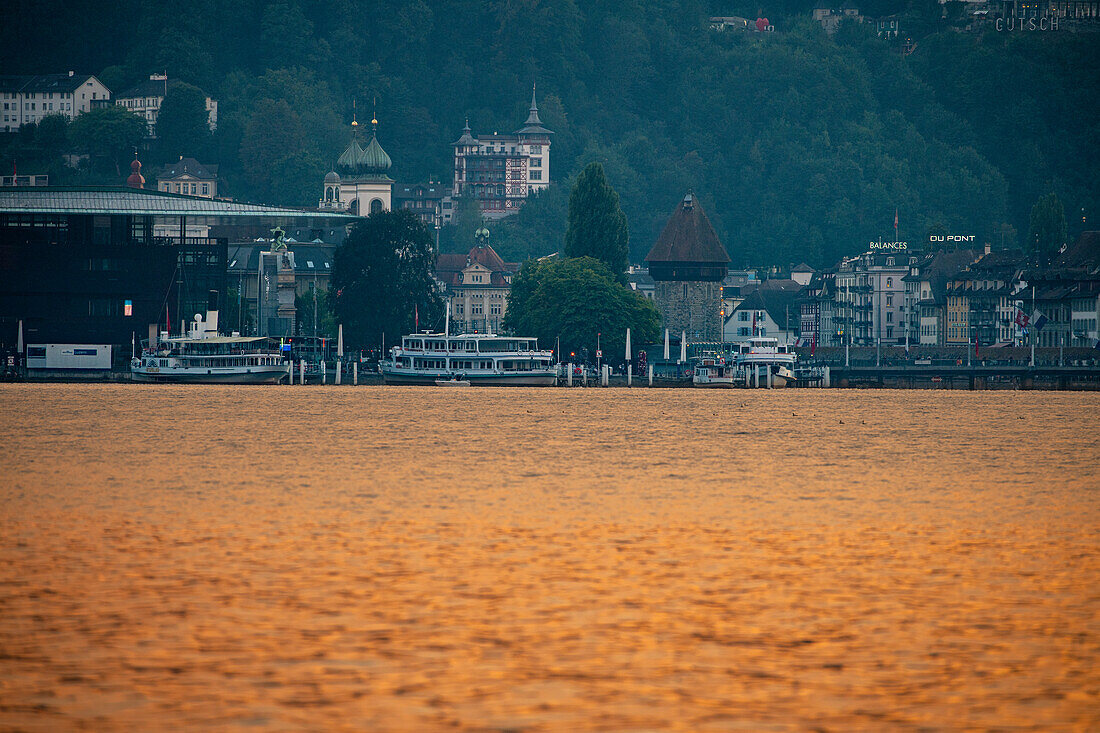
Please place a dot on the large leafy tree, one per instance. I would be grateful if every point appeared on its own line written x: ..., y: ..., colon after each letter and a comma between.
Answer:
x: 1048, y: 228
x: 575, y: 300
x: 382, y: 279
x: 596, y: 225
x: 109, y: 135
x: 183, y: 124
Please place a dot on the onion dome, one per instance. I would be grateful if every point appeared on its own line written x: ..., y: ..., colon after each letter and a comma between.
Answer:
x: 359, y: 161
x: 135, y: 179
x: 332, y: 177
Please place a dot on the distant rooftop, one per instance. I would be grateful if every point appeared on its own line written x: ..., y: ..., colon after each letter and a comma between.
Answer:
x: 144, y: 202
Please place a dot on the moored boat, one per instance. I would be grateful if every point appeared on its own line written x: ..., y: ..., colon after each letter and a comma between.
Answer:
x: 204, y: 356
x: 759, y: 356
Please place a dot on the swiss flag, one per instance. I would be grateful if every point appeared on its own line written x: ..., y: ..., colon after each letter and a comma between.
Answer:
x: 1021, y: 319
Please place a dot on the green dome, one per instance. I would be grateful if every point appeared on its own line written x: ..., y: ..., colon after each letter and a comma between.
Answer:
x: 360, y: 161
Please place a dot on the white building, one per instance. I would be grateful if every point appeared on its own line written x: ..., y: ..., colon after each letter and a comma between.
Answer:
x: 27, y: 99
x: 360, y: 184
x: 146, y: 98
x: 189, y: 176
x: 501, y: 171
x: 477, y: 284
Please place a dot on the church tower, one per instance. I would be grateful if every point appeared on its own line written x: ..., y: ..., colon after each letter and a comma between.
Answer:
x: 360, y: 184
x: 688, y: 265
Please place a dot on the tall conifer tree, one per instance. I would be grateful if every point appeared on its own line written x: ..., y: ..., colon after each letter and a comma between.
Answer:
x: 597, y: 226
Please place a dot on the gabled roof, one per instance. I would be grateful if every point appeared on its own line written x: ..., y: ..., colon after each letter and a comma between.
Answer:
x: 44, y: 83
x: 803, y: 268
x: 148, y: 88
x: 449, y: 266
x: 781, y: 305
x: 189, y: 167
x: 1084, y: 252
x: 688, y: 237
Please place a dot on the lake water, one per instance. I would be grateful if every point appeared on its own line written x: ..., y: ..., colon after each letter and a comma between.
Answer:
x: 386, y: 558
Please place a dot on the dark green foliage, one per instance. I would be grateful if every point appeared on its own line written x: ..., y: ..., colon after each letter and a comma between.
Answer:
x: 109, y: 136
x: 800, y: 146
x: 597, y: 226
x: 314, y: 314
x: 182, y: 125
x: 382, y: 276
x: 1047, y: 233
x: 574, y: 300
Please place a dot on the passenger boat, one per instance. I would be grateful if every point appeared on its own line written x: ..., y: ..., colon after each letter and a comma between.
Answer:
x: 204, y: 356
x: 761, y: 355
x: 480, y: 359
x: 712, y: 371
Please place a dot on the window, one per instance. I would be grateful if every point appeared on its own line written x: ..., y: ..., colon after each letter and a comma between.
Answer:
x: 475, y: 309
x: 536, y: 175
x: 889, y: 332
x: 743, y: 316
x: 889, y: 316
x: 205, y: 189
x: 890, y: 282
x: 375, y: 206
x: 889, y: 300
x: 743, y: 331
x: 536, y: 162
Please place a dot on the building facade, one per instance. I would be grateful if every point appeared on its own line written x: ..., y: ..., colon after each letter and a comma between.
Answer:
x: 501, y: 171
x: 189, y: 176
x: 431, y: 202
x: 146, y: 98
x: 27, y: 99
x: 688, y: 264
x: 477, y: 285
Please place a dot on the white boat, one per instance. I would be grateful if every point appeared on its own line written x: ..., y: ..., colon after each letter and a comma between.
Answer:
x: 712, y: 371
x: 203, y: 356
x: 760, y: 355
x: 481, y: 359
x: 453, y: 382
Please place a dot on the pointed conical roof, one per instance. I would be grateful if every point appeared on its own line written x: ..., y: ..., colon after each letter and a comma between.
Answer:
x: 688, y: 237
x: 467, y: 138
x: 533, y: 126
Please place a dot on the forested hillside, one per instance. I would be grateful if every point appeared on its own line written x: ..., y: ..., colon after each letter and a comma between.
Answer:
x: 799, y: 145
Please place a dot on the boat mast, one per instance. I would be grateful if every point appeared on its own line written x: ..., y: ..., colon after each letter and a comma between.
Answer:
x: 447, y: 321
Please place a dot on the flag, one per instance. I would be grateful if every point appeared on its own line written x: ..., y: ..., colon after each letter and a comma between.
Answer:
x: 813, y: 345
x: 895, y: 220
x: 754, y: 324
x: 1021, y: 319
x: 1038, y: 320
x: 416, y: 317
x: 975, y: 347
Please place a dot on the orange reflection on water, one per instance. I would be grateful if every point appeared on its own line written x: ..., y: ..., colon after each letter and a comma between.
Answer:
x: 420, y: 559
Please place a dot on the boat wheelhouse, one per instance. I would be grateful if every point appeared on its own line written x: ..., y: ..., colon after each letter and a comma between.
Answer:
x: 481, y: 359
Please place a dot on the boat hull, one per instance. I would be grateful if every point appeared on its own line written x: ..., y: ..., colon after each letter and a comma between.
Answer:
x: 537, y: 379
x: 212, y: 376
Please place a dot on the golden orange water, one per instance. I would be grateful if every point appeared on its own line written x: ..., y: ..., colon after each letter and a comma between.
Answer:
x: 407, y: 559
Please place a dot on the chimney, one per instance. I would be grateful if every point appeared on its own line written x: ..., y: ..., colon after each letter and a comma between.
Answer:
x: 987, y: 248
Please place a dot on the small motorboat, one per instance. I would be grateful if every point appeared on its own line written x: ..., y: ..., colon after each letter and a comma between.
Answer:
x: 455, y: 381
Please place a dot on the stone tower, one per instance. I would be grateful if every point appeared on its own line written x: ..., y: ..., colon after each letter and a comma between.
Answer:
x: 688, y: 264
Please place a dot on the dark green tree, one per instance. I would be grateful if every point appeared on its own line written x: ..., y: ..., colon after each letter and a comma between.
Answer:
x: 382, y: 279
x: 314, y: 315
x: 109, y: 135
x: 1047, y: 233
x: 182, y: 124
x: 574, y: 300
x: 596, y: 225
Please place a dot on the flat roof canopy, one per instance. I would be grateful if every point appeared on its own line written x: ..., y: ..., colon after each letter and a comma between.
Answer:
x: 142, y: 202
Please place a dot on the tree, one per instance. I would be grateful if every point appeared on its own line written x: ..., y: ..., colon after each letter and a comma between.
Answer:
x: 109, y: 135
x: 183, y: 123
x: 382, y: 279
x: 315, y: 305
x: 574, y: 300
x: 596, y: 225
x: 1048, y: 228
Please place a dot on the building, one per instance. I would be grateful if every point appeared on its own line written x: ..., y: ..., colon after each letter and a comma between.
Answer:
x: 146, y: 98
x: 772, y: 309
x: 360, y: 185
x: 268, y: 278
x: 477, y: 285
x: 871, y: 297
x: 638, y: 280
x: 501, y: 171
x: 688, y: 265
x: 85, y: 265
x: 830, y: 17
x: 431, y: 202
x: 189, y: 176
x: 27, y: 99
x: 926, y: 294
